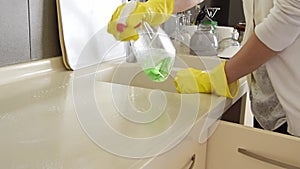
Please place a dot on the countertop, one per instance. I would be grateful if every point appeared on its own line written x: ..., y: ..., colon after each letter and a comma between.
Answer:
x: 46, y: 123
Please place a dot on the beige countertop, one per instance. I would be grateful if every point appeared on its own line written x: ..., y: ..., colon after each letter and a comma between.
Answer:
x: 46, y: 123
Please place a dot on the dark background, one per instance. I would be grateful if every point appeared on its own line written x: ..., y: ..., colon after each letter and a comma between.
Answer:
x: 231, y: 12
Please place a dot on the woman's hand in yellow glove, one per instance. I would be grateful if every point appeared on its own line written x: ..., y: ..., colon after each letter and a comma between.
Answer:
x: 192, y: 81
x: 128, y: 18
x: 197, y: 81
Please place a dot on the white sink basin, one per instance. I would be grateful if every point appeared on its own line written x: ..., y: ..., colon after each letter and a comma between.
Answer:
x: 132, y: 74
x: 116, y: 101
x: 122, y: 94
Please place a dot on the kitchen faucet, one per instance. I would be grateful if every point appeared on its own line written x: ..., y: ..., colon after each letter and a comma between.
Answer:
x: 130, y: 57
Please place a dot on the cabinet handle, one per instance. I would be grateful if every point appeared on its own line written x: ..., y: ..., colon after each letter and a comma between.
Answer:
x: 192, y: 162
x: 266, y: 159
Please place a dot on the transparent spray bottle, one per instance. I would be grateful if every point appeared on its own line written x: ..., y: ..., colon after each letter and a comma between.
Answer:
x: 154, y: 50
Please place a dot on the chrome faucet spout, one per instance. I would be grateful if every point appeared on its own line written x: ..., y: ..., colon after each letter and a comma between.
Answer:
x: 130, y: 57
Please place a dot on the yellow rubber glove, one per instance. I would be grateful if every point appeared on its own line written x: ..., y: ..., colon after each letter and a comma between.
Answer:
x: 154, y: 12
x: 197, y: 81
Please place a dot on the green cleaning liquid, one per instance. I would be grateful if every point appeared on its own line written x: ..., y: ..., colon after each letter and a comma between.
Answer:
x: 161, y: 71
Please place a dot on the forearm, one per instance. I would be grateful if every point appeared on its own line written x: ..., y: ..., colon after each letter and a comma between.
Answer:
x: 181, y: 5
x: 252, y: 55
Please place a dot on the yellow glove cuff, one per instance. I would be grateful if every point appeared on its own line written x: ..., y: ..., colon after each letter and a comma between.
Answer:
x: 219, y: 82
x: 197, y: 81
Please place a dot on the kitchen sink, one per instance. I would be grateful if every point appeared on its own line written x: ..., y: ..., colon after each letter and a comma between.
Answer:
x: 132, y: 74
x: 121, y: 95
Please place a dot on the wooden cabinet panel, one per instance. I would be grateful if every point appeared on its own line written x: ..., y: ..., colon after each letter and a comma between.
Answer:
x: 28, y: 35
x: 186, y: 155
x: 14, y: 32
x: 233, y: 146
x: 43, y: 29
x: 189, y: 154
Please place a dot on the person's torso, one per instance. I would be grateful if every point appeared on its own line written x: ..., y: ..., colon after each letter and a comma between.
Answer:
x: 282, y: 71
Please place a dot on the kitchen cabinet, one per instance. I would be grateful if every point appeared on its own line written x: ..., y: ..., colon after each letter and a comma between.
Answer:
x: 43, y: 29
x: 186, y: 155
x: 189, y: 154
x: 28, y: 31
x: 236, y: 112
x: 236, y: 146
x: 231, y: 12
x: 14, y: 32
x: 40, y: 128
x: 233, y: 146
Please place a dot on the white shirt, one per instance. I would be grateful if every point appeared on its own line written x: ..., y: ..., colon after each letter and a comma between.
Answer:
x: 280, y: 31
x: 265, y: 105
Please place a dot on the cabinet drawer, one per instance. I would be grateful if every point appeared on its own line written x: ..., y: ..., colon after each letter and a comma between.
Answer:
x: 186, y: 155
x: 233, y: 146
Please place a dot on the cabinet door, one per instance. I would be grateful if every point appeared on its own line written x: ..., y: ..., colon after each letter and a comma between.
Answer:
x: 233, y: 146
x: 14, y: 32
x: 43, y: 29
x: 186, y: 155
